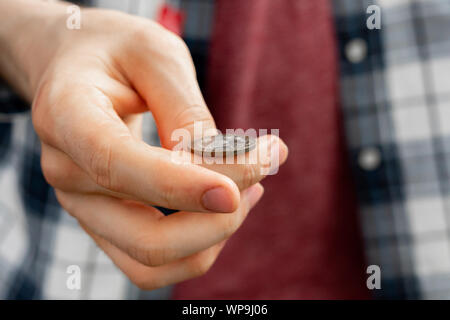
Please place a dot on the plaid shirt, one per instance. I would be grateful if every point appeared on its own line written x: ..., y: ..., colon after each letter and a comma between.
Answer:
x: 395, y: 95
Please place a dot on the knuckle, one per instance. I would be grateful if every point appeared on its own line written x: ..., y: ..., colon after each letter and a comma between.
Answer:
x: 102, y: 158
x: 194, y: 113
x: 51, y: 175
x: 143, y: 282
x: 168, y: 195
x: 51, y: 93
x: 100, y: 166
x: 64, y: 201
x: 40, y: 113
x: 141, y: 35
x: 140, y: 282
x: 149, y: 33
x: 154, y: 257
x: 60, y: 197
x: 174, y: 42
x: 149, y: 253
x: 179, y: 45
x: 54, y: 172
x: 201, y: 266
x: 100, y: 162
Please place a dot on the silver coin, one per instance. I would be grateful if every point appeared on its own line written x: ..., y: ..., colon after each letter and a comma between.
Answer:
x: 222, y: 145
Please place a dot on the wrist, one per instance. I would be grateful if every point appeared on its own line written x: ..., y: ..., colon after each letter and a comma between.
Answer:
x: 28, y: 39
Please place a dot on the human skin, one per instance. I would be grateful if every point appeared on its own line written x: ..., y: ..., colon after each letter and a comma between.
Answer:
x: 89, y: 88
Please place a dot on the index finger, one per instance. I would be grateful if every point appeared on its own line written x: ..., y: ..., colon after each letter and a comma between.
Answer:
x: 85, y: 126
x: 162, y: 71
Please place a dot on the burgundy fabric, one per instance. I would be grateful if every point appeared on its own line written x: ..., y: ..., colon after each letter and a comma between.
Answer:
x: 273, y: 65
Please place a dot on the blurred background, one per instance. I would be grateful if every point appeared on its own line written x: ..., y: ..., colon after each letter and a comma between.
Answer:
x: 360, y: 93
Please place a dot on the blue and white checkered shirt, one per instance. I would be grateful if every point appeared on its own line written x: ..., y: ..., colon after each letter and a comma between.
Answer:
x: 395, y: 91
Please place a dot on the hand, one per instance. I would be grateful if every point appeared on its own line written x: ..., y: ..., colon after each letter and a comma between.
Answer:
x: 88, y: 88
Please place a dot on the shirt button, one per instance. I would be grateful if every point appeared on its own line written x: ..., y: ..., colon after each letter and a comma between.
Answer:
x: 369, y: 158
x: 356, y: 50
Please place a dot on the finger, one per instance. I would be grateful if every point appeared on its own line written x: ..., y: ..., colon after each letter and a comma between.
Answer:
x: 61, y: 172
x: 88, y: 130
x: 251, y: 167
x: 134, y: 124
x: 163, y: 73
x: 150, y: 278
x: 148, y: 236
x: 125, y: 100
